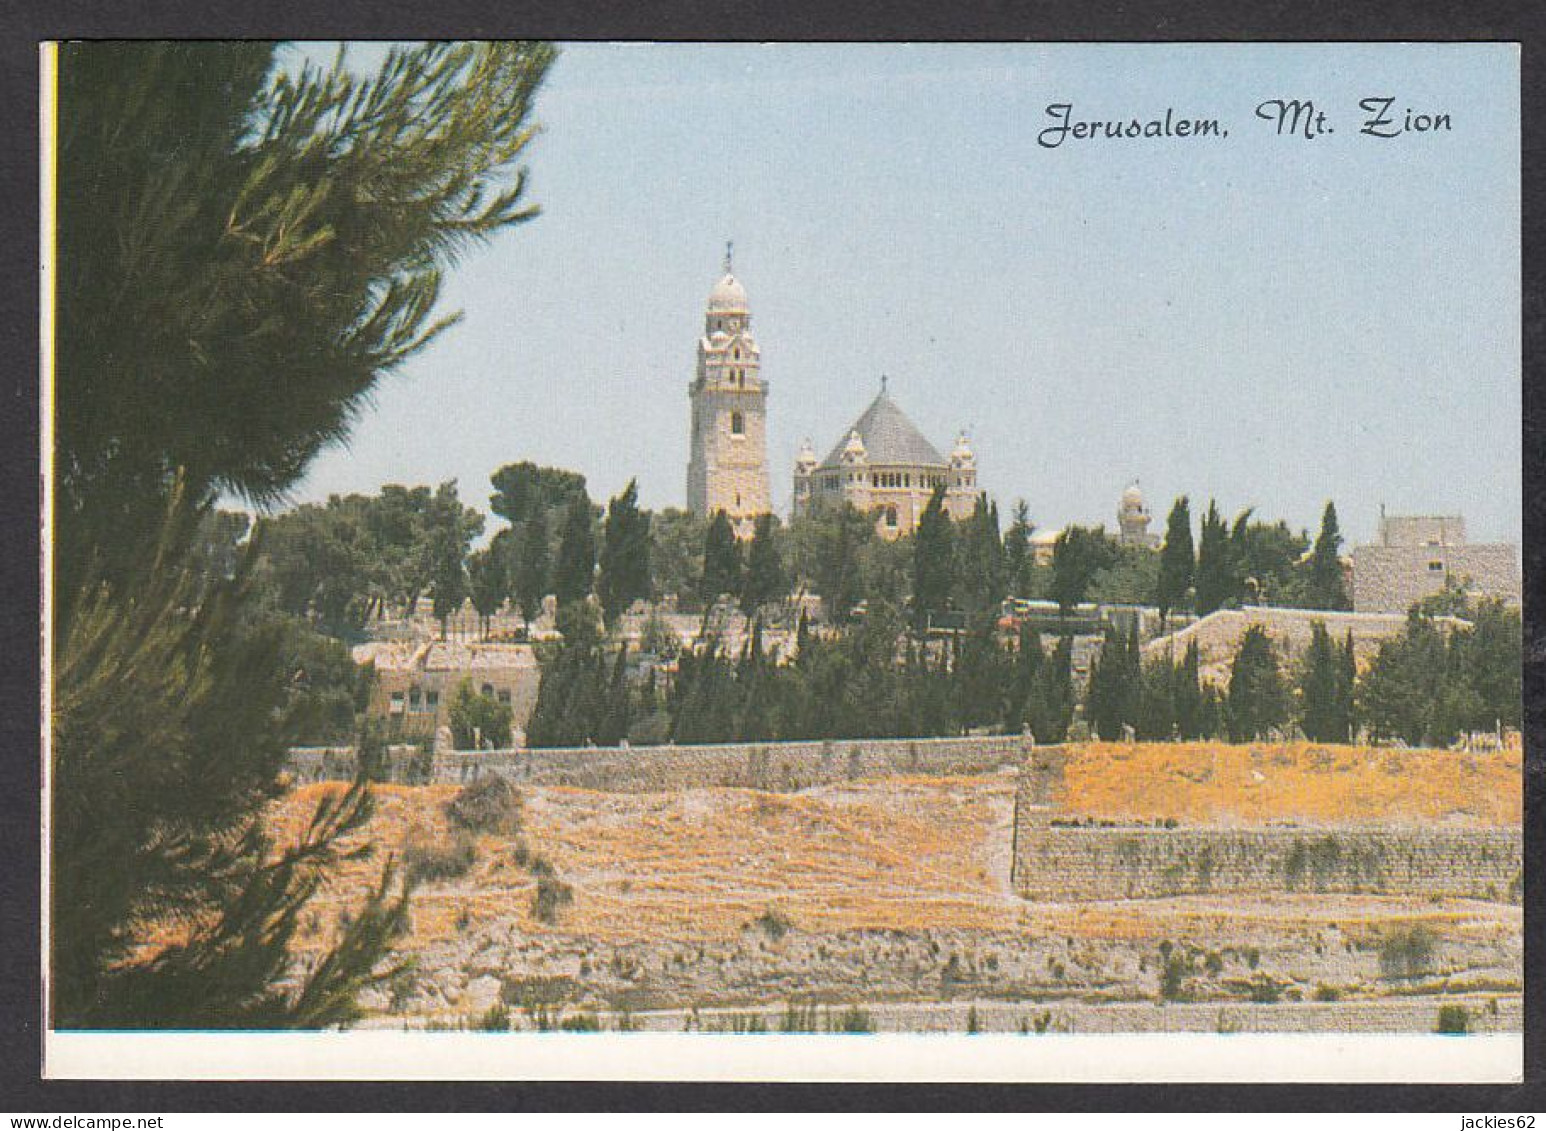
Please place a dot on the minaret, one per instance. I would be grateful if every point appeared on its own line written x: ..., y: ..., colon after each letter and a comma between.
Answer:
x: 728, y: 467
x: 1133, y: 518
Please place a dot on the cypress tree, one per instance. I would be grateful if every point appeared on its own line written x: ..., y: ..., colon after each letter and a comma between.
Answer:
x: 1187, y: 696
x: 1052, y: 702
x: 452, y: 528
x: 764, y: 580
x: 1326, y: 589
x: 980, y: 577
x: 1322, y: 710
x: 1215, y: 571
x: 625, y: 554
x: 1177, y: 559
x: 1115, y: 684
x: 1258, y: 701
x: 1017, y: 551
x: 574, y: 574
x: 1028, y: 660
x: 721, y: 560
x: 1347, y: 685
x: 933, y: 561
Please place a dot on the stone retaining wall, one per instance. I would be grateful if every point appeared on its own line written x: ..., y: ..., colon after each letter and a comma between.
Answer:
x: 781, y: 766
x: 1055, y: 862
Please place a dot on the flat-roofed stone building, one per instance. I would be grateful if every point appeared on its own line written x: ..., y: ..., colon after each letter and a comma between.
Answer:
x: 1416, y: 556
x: 415, y: 682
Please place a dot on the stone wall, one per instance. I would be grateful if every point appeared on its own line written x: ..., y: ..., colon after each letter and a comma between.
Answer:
x: 1054, y: 862
x: 1059, y: 856
x: 779, y: 766
x: 1218, y: 635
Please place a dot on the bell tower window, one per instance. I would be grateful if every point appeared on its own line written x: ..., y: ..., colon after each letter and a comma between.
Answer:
x: 737, y: 424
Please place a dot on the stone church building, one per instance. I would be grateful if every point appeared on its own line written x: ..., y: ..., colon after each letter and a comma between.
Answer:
x: 884, y: 465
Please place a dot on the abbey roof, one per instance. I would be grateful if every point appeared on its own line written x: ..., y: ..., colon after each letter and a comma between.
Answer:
x: 889, y: 438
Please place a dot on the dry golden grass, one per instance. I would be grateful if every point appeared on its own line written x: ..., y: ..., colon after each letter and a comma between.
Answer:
x: 902, y: 853
x: 1203, y: 781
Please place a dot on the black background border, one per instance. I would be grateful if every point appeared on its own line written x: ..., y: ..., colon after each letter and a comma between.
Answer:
x: 28, y: 22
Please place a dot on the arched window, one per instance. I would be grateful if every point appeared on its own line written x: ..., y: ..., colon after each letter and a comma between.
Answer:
x: 891, y: 517
x: 737, y: 424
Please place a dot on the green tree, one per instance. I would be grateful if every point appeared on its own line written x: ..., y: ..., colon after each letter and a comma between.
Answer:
x: 574, y: 573
x: 1324, y: 698
x: 1051, y: 706
x: 478, y: 721
x: 488, y: 583
x: 224, y: 221
x: 242, y: 253
x: 1017, y: 550
x: 1178, y: 560
x: 721, y: 560
x: 1326, y: 589
x: 625, y: 554
x: 829, y: 548
x: 532, y: 574
x: 451, y: 529
x: 1258, y: 701
x: 764, y: 580
x: 1215, y: 565
x: 1187, y: 697
x: 1021, y: 687
x: 1129, y: 577
x: 1264, y: 562
x: 676, y: 559
x: 933, y: 561
x: 981, y: 583
x: 523, y: 490
x: 1114, y: 696
x: 1077, y: 556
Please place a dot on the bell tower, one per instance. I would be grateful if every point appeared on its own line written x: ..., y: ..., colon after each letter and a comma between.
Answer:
x: 728, y: 467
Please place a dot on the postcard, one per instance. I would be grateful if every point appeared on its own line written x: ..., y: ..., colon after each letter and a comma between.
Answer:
x: 833, y: 561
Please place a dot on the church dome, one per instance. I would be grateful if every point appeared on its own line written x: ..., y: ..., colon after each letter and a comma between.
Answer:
x: 1132, y: 498
x: 728, y: 296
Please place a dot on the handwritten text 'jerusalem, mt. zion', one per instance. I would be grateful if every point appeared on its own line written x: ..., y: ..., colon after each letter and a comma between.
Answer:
x: 1300, y: 118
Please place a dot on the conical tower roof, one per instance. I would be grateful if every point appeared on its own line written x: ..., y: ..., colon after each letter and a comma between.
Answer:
x: 889, y: 438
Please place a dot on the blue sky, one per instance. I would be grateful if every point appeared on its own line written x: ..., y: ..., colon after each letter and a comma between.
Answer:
x: 1267, y: 321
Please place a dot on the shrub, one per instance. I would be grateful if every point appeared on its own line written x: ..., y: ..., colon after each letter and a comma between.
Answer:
x: 774, y: 923
x: 429, y: 862
x: 581, y: 1023
x: 1175, y: 968
x: 496, y: 1020
x: 1264, y: 991
x: 851, y: 1020
x: 1453, y: 1019
x: 1327, y: 993
x: 552, y: 896
x: 972, y: 1023
x: 489, y: 804
x: 1408, y: 952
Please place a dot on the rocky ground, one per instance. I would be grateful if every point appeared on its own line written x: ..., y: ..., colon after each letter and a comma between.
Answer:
x: 877, y: 904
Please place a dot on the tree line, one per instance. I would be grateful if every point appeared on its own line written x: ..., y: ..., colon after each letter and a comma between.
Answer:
x: 1431, y: 684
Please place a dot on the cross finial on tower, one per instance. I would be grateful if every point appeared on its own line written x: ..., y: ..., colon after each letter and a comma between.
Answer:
x: 883, y: 382
x: 729, y: 250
